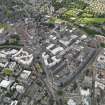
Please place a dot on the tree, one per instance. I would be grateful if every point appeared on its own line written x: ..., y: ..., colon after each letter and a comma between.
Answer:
x: 60, y: 92
x: 8, y: 72
x: 60, y: 99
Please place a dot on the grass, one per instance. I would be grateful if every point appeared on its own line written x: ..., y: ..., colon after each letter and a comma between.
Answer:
x: 102, y: 45
x: 89, y: 21
x: 89, y: 15
x: 90, y: 32
x: 39, y: 68
x: 5, y: 26
x: 2, y: 26
x: 92, y: 20
x: 82, y: 16
x: 71, y: 13
x: 55, y: 20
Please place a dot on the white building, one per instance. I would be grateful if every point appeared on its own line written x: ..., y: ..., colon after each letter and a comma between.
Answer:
x: 23, y: 57
x: 2, y: 55
x: 15, y: 102
x: 53, y: 49
x: 20, y: 89
x: 9, y: 52
x: 12, y: 65
x: 1, y: 30
x: 99, y: 85
x: 25, y: 74
x: 85, y: 93
x: 5, y: 84
x: 71, y: 102
x: 67, y: 42
x: 3, y: 62
x: 53, y: 59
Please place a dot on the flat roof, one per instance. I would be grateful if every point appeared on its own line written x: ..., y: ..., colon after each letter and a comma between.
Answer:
x: 25, y: 74
x: 5, y: 83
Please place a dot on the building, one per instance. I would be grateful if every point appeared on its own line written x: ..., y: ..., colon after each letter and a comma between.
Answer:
x: 53, y: 60
x: 100, y: 60
x: 12, y: 65
x: 9, y: 52
x: 100, y: 39
x: 23, y: 57
x: 71, y: 102
x: 25, y: 74
x: 3, y: 62
x: 85, y: 93
x: 1, y: 30
x: 14, y: 102
x: 5, y: 84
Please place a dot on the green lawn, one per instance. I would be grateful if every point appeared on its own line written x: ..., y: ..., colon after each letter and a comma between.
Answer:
x: 5, y: 26
x: 88, y: 15
x: 71, y: 13
x: 103, y: 45
x: 82, y: 16
x: 91, y: 20
x: 90, y: 32
x: 55, y: 20
x: 2, y: 25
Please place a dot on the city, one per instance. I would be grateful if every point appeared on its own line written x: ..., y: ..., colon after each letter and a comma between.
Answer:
x: 52, y: 52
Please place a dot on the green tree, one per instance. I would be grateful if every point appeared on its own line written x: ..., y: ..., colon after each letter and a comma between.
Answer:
x: 8, y: 72
x: 60, y: 92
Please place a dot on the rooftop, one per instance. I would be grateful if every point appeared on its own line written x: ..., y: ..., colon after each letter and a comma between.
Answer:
x: 5, y: 83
